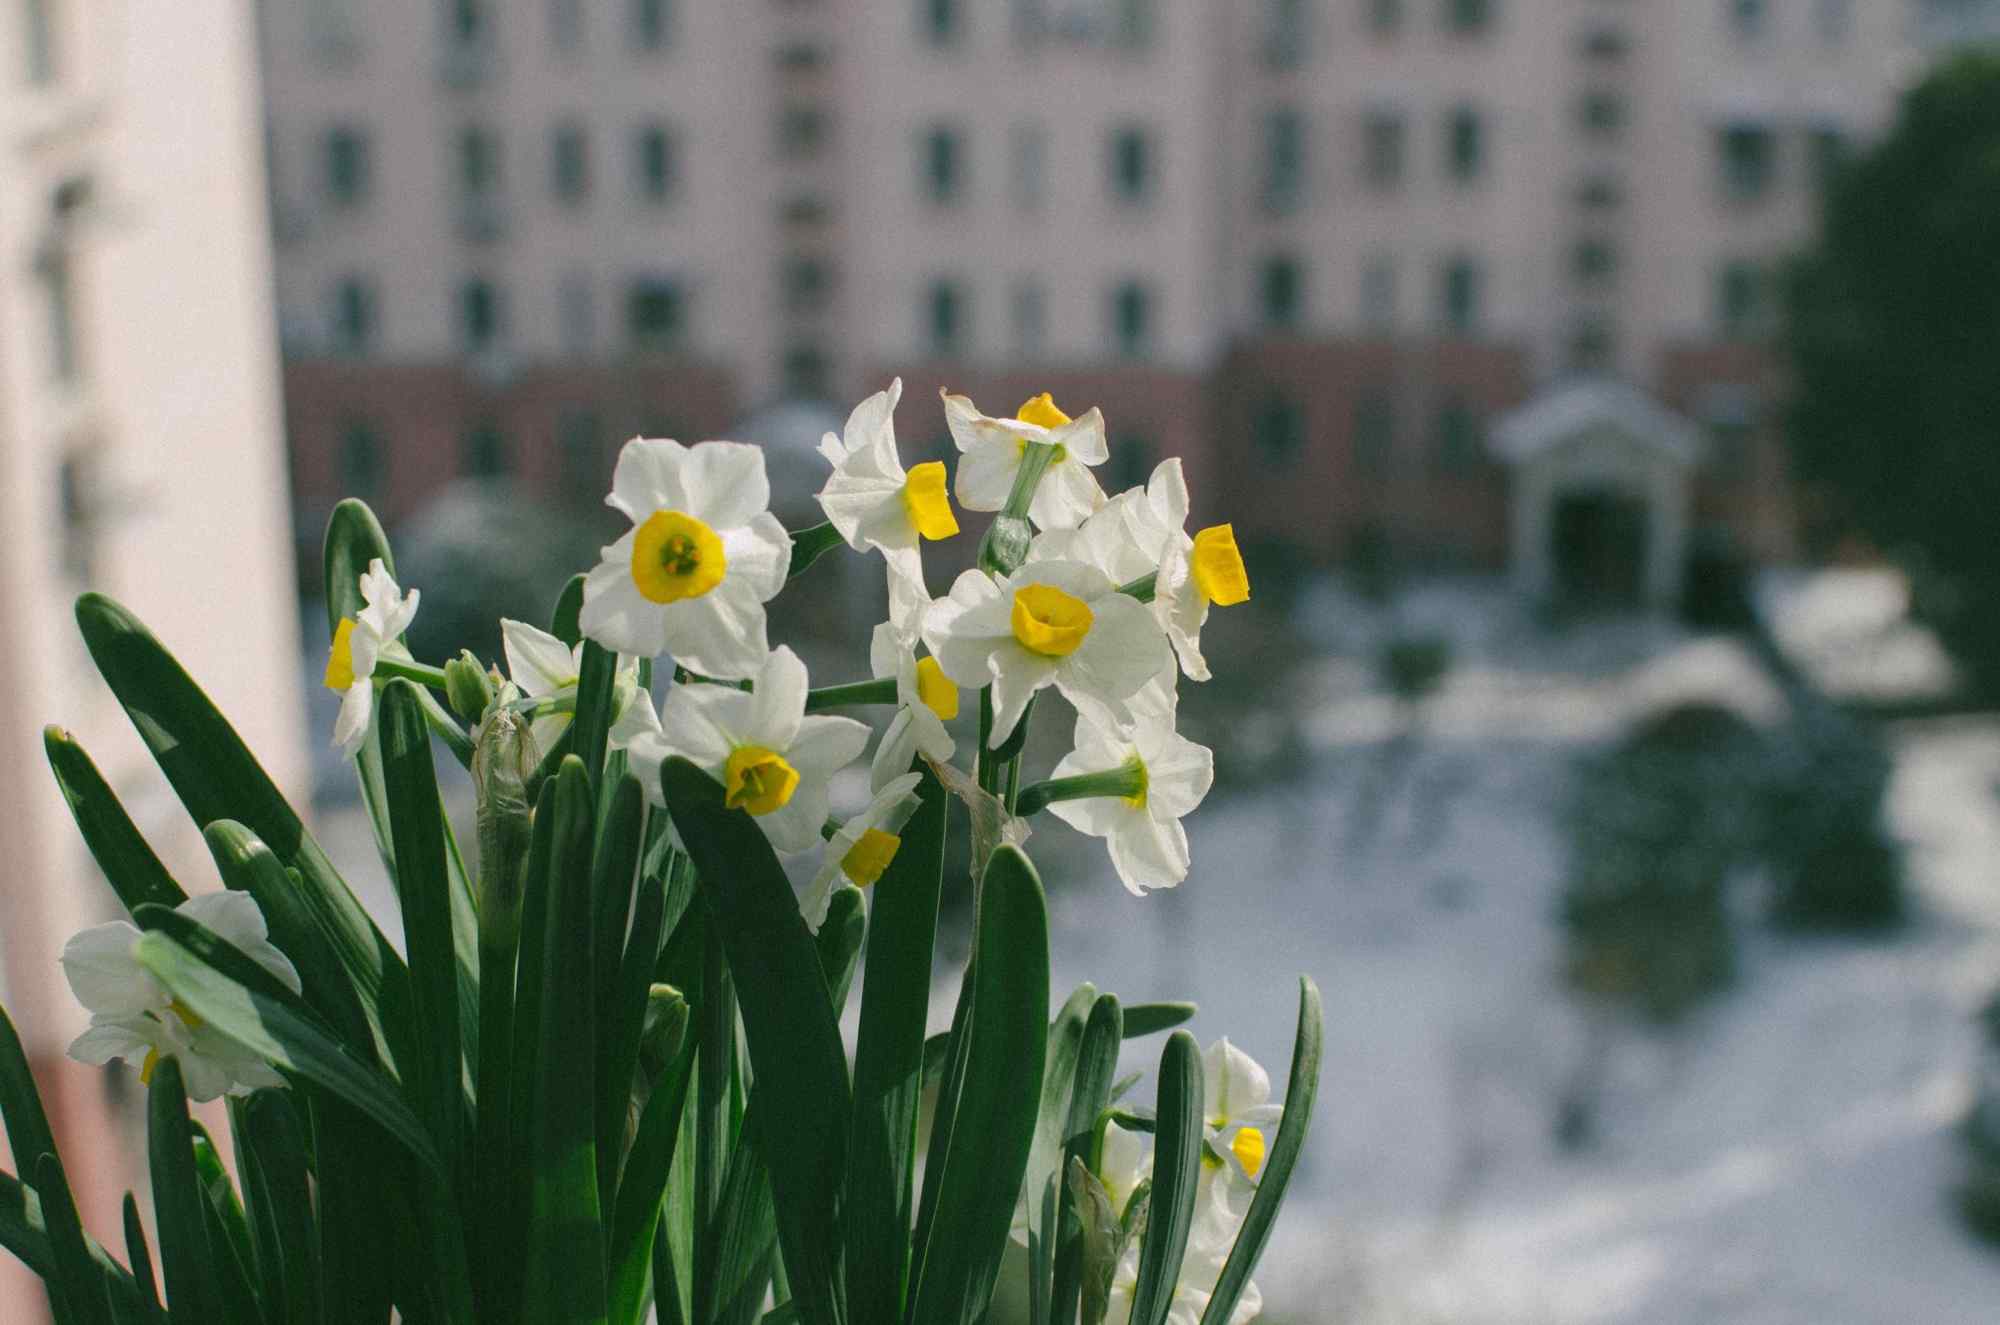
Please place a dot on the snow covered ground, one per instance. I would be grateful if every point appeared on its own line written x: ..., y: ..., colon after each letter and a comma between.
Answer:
x: 1785, y: 1157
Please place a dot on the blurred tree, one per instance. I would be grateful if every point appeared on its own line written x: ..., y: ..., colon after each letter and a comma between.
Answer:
x: 1891, y: 325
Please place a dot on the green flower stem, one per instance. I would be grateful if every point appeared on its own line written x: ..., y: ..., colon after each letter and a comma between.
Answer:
x: 1005, y: 544
x: 1035, y: 461
x: 1126, y: 782
x: 1013, y: 770
x: 879, y: 691
x: 387, y: 669
x: 985, y: 767
x: 682, y: 676
x: 809, y: 545
x: 1141, y: 588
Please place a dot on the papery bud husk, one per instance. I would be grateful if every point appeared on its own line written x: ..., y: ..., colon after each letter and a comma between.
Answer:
x: 666, y: 1023
x: 504, y: 757
x: 468, y: 687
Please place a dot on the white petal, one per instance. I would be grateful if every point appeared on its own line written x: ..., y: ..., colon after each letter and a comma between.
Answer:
x: 1017, y: 675
x: 113, y: 1037
x: 986, y: 474
x: 725, y: 483
x: 637, y: 718
x: 826, y: 744
x: 778, y: 702
x: 356, y: 707
x: 908, y: 598
x: 720, y: 634
x: 794, y: 826
x: 104, y: 975
x: 853, y: 502
x: 760, y: 555
x: 615, y: 613
x: 235, y: 918
x: 644, y: 756
x: 1178, y: 776
x: 962, y: 628
x: 870, y: 435
x: 896, y: 751
x: 537, y: 661
x: 1148, y: 852
x: 1067, y: 495
x: 1235, y: 1083
x: 647, y: 478
x: 695, y: 724
x: 388, y: 610
x: 1167, y: 494
x: 1083, y: 437
x: 1123, y: 650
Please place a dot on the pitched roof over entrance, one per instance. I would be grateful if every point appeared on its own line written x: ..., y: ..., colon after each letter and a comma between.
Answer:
x: 1568, y: 409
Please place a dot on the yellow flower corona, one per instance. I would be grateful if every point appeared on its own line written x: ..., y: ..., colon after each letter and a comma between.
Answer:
x: 1048, y: 621
x: 1218, y: 567
x: 924, y: 497
x: 675, y: 556
x: 340, y: 661
x: 1248, y: 1147
x: 868, y: 858
x: 758, y: 780
x: 1042, y: 412
x: 935, y: 689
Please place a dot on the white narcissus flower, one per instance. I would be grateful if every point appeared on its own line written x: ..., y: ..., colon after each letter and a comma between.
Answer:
x: 863, y: 848
x: 703, y: 556
x: 870, y: 498
x: 771, y: 759
x: 1236, y: 1107
x: 1058, y: 623
x: 358, y: 643
x: 545, y: 668
x: 1149, y: 848
x: 1140, y: 532
x: 992, y: 450
x: 925, y: 697
x: 134, y: 1018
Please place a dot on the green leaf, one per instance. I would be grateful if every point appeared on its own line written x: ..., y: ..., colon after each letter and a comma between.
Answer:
x: 217, y: 778
x: 715, y: 1117
x: 1096, y: 1063
x: 994, y: 1128
x: 185, y: 1260
x: 354, y: 1242
x: 502, y: 1238
x: 565, y: 623
x: 1152, y: 1018
x: 278, y: 1191
x: 889, y: 1061
x: 77, y: 1287
x: 1176, y: 1172
x: 1043, y: 1183
x: 642, y: 1187
x: 146, y: 1306
x: 228, y: 960
x: 596, y: 685
x: 794, y: 1039
x: 621, y: 1007
x: 810, y: 544
x: 1300, y: 1094
x: 277, y: 1033
x: 23, y: 1233
x: 436, y: 1073
x: 566, y: 1256
x: 28, y: 1131
x: 354, y: 537
x: 120, y: 850
x: 229, y: 1251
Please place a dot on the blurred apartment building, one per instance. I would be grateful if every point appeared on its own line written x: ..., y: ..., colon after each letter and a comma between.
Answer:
x: 1318, y: 247
x: 140, y: 454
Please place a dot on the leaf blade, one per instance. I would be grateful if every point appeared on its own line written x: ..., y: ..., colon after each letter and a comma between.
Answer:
x: 1177, y: 1143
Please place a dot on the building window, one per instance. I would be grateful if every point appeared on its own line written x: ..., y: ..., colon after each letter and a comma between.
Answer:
x: 363, y: 461
x: 1739, y: 299
x: 1031, y: 159
x: 1464, y: 144
x: 1031, y: 320
x: 1130, y: 463
x: 940, y: 21
x: 566, y: 25
x: 807, y: 284
x: 580, y: 466
x: 1599, y: 193
x: 44, y: 62
x: 1749, y: 160
x: 1456, y: 443
x: 1278, y: 429
x: 348, y: 175
x: 656, y: 315
x: 653, y: 164
x: 484, y: 453
x: 1834, y: 20
x: 1605, y: 42
x: 569, y: 164
x: 1285, y: 33
x: 1601, y: 113
x: 1384, y: 16
x: 945, y: 316
x: 1284, y: 159
x: 1131, y: 165
x: 943, y: 165
x: 1378, y: 294
x: 1747, y: 18
x: 1131, y: 319
x: 578, y: 314
x: 478, y: 163
x: 479, y: 314
x: 1374, y: 432
x: 1468, y: 16
x: 1590, y: 345
x: 1281, y: 293
x: 1459, y: 295
x: 805, y: 371
x: 651, y: 25
x: 353, y: 316
x: 1382, y: 149
x: 58, y: 280
x: 466, y: 22
x: 803, y: 130
x: 1593, y: 260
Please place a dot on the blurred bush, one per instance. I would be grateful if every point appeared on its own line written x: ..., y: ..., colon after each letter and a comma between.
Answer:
x: 1827, y: 850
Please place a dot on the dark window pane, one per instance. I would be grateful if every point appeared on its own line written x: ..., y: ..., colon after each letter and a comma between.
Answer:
x: 946, y: 313
x: 485, y: 453
x: 656, y: 315
x: 1278, y: 429
x: 1458, y: 440
x: 1131, y: 318
x: 1280, y: 293
x: 363, y: 461
x: 1374, y: 433
x: 570, y: 165
x: 654, y: 163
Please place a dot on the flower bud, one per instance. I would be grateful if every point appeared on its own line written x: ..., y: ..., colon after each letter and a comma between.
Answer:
x: 666, y: 1023
x: 503, y: 759
x: 467, y: 686
x: 1005, y: 545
